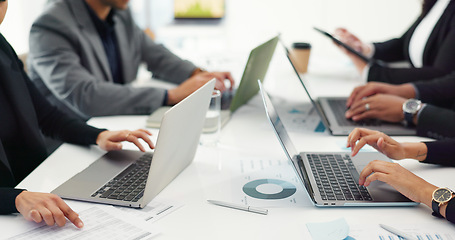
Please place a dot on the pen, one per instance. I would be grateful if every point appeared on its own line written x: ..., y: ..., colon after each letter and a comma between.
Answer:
x: 240, y: 207
x: 397, y: 232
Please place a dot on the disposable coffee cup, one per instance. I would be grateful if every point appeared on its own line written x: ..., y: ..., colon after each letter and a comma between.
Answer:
x: 300, y: 56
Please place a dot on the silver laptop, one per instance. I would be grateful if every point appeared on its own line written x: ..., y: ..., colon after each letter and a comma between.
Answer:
x: 256, y: 68
x: 133, y: 178
x: 332, y: 112
x: 331, y: 178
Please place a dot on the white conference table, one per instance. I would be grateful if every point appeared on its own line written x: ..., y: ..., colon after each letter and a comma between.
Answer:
x: 211, y: 176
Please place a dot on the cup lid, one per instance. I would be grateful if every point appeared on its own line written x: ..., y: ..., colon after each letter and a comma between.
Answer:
x: 301, y: 45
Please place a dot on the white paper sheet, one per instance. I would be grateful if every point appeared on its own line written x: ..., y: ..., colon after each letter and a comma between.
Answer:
x: 153, y: 211
x: 99, y: 223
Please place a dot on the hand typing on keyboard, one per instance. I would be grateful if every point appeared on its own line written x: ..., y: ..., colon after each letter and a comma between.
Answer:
x: 380, y: 106
x: 111, y: 140
x: 385, y: 144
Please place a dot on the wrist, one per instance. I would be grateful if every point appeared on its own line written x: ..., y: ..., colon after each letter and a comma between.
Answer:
x: 100, y: 137
x: 197, y: 71
x: 440, y: 198
x: 18, y: 199
x: 427, y: 194
x: 411, y: 108
x: 406, y: 90
x: 416, y: 151
x: 171, y: 97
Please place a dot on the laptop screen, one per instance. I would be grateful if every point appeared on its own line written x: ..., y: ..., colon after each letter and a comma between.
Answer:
x: 279, y: 127
x: 285, y: 140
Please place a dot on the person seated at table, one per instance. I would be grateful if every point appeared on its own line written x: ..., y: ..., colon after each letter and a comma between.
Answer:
x: 404, y: 181
x: 427, y: 46
x: 25, y: 117
x: 435, y: 118
x: 84, y: 55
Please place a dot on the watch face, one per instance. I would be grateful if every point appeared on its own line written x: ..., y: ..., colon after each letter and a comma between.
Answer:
x: 412, y: 105
x: 442, y: 195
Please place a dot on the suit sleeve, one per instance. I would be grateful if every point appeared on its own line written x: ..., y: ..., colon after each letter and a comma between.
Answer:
x: 438, y: 92
x: 436, y: 122
x: 8, y: 200
x: 394, y: 50
x: 56, y: 124
x: 55, y: 58
x: 441, y: 152
x: 450, y: 211
x: 160, y: 61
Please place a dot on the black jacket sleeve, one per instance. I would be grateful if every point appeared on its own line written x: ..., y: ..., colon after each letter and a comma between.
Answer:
x: 393, y: 49
x: 8, y: 200
x: 450, y: 211
x: 436, y: 122
x: 438, y: 92
x: 441, y: 152
x: 56, y: 124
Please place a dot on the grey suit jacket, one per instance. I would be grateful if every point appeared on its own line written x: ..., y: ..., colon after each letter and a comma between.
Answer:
x: 68, y: 64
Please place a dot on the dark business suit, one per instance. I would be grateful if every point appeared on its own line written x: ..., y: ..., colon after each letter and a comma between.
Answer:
x: 31, y: 115
x: 437, y: 119
x: 438, y: 55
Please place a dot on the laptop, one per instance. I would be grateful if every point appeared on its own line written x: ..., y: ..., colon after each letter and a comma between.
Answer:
x: 133, y: 178
x: 256, y: 68
x: 331, y: 178
x: 332, y: 112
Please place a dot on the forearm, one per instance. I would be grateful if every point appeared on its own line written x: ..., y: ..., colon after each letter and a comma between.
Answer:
x: 416, y: 151
x: 405, y: 90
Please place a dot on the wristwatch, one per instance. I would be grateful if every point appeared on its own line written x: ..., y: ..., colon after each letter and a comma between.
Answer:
x: 441, y: 196
x: 410, y: 108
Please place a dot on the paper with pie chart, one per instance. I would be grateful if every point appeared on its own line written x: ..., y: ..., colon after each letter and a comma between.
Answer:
x: 268, y: 183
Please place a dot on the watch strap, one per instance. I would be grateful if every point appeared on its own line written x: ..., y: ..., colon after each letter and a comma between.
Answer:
x: 409, y: 119
x: 435, y: 207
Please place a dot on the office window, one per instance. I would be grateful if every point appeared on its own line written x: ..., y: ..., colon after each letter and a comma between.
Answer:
x: 199, y: 9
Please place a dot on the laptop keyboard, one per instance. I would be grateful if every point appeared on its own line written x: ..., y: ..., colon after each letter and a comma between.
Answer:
x: 334, y: 179
x: 338, y: 107
x: 129, y: 185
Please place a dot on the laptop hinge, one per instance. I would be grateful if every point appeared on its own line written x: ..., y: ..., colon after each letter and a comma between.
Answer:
x: 322, y: 114
x: 306, y: 180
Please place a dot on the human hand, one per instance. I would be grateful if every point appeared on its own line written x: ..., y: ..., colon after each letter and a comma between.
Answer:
x: 220, y: 77
x: 378, y: 140
x: 111, y: 140
x: 381, y: 106
x: 51, y: 208
x: 404, y: 181
x: 371, y: 88
x: 385, y: 144
x: 193, y: 83
x: 354, y: 42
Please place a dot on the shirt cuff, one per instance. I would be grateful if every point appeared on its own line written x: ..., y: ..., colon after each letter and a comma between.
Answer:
x: 165, y: 98
x: 372, y: 50
x: 420, y: 111
x: 365, y: 72
x: 416, y: 90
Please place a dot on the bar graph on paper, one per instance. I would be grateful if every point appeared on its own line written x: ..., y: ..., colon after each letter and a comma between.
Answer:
x: 434, y: 236
x: 429, y: 231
